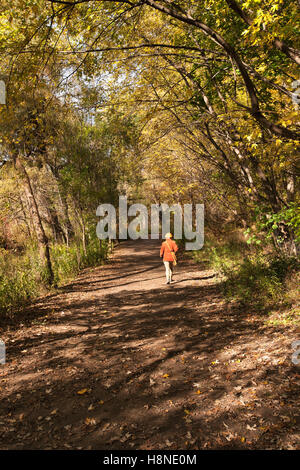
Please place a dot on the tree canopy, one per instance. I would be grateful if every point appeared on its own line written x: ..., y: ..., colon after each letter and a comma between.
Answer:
x: 181, y: 101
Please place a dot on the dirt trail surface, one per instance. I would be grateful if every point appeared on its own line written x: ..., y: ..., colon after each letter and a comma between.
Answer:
x: 119, y: 360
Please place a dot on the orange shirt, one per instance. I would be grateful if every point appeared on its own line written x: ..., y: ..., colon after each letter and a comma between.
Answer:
x: 165, y: 251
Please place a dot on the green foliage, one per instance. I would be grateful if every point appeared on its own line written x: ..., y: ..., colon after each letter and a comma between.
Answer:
x: 18, y: 278
x: 267, y: 223
x: 65, y: 262
x: 249, y: 275
x: 258, y: 281
x: 22, y: 276
x: 93, y: 254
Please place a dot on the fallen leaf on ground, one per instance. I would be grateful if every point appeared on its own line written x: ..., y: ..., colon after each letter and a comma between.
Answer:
x: 90, y: 421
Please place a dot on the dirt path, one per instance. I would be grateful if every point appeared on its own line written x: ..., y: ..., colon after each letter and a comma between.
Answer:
x: 119, y: 360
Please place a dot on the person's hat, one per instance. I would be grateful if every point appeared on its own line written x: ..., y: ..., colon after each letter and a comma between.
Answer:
x: 168, y: 235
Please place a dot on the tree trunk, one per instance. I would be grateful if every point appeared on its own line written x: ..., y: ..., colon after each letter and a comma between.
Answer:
x: 42, y: 238
x: 284, y: 240
x: 25, y: 214
x: 57, y: 230
x: 68, y: 229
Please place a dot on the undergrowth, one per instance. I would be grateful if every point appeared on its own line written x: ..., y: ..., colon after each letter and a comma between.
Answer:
x: 255, y: 277
x: 22, y: 276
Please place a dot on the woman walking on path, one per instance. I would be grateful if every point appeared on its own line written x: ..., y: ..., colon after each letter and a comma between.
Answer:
x: 167, y: 252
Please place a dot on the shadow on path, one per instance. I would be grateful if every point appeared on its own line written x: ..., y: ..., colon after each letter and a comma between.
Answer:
x: 112, y: 365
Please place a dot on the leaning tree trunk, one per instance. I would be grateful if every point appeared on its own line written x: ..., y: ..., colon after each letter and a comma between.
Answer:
x: 53, y: 220
x: 42, y: 238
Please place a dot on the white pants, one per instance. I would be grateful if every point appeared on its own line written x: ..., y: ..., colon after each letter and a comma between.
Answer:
x: 169, y: 270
